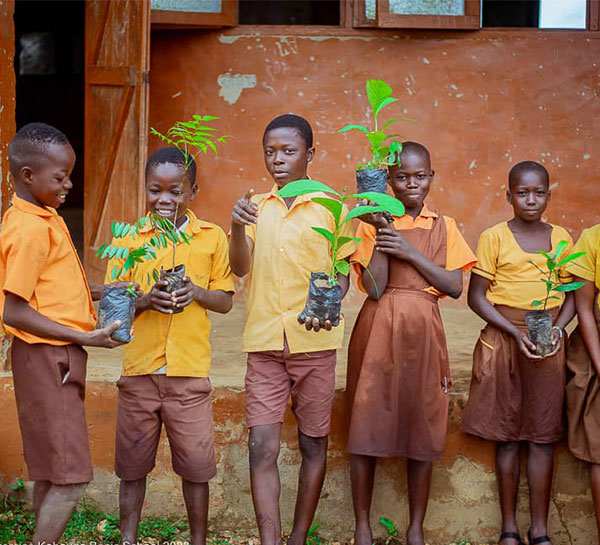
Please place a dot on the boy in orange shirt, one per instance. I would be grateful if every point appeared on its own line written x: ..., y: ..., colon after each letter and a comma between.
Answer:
x: 47, y: 306
x: 165, y: 367
x: 272, y: 238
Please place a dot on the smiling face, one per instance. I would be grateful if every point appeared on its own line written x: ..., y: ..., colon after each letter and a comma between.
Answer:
x: 529, y: 194
x: 166, y: 195
x: 49, y: 181
x: 411, y: 181
x: 286, y: 155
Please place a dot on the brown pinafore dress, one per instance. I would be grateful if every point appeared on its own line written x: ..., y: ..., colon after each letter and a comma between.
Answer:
x: 583, y: 399
x: 398, y: 371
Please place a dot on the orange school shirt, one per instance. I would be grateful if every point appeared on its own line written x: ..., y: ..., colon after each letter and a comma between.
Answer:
x: 588, y: 265
x: 514, y: 280
x: 179, y: 340
x: 39, y: 263
x: 458, y: 253
x: 286, y: 252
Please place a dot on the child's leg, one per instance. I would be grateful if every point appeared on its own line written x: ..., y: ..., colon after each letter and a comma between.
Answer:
x: 196, y: 504
x: 539, y: 474
x: 40, y: 489
x: 263, y: 444
x: 362, y: 476
x: 595, y: 474
x: 131, y: 500
x: 508, y: 465
x: 310, y: 484
x: 419, y: 482
x: 55, y: 511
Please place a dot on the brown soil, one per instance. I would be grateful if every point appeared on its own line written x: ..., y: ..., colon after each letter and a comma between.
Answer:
x: 228, y: 364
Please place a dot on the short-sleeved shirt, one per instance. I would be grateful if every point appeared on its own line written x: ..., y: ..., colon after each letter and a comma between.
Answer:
x: 514, y: 281
x: 39, y: 263
x: 179, y: 340
x: 286, y: 251
x: 588, y: 266
x: 458, y: 253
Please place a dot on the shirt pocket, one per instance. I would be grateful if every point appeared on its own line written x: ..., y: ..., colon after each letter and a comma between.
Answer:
x: 315, y: 250
x: 199, y: 267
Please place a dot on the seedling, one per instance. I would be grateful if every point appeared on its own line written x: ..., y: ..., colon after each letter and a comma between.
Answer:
x: 539, y: 322
x: 390, y: 526
x: 551, y: 278
x: 384, y: 148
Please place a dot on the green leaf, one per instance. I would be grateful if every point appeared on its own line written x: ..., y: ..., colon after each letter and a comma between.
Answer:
x: 389, y: 203
x: 113, y: 252
x: 100, y: 250
x: 560, y: 248
x: 333, y: 205
x: 112, y: 228
x: 353, y: 126
x: 545, y: 254
x: 342, y: 266
x: 113, y: 273
x: 302, y: 187
x: 377, y: 92
x: 537, y: 303
x: 324, y: 232
x: 571, y: 286
x: 389, y: 526
x: 155, y: 275
x: 361, y: 210
x: 571, y: 257
x: 376, y: 138
x: 386, y: 102
x: 396, y: 119
x: 163, y: 240
x: 345, y: 240
x: 106, y: 251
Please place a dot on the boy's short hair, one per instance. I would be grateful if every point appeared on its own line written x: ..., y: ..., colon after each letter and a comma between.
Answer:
x: 525, y: 166
x: 292, y: 121
x: 30, y: 143
x: 173, y: 156
x: 415, y: 147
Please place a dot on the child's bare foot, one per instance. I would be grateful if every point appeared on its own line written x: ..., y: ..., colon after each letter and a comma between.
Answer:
x: 414, y: 536
x: 363, y: 535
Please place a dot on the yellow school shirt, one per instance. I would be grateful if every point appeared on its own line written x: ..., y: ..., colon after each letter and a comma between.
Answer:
x: 458, y: 253
x: 39, y: 263
x: 588, y: 265
x: 179, y: 340
x: 514, y: 281
x: 286, y: 251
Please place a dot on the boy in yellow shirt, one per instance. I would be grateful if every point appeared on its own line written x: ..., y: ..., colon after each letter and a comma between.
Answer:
x: 47, y: 306
x: 272, y: 237
x: 166, y: 365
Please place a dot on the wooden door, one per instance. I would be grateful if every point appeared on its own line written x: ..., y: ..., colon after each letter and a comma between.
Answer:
x: 116, y: 121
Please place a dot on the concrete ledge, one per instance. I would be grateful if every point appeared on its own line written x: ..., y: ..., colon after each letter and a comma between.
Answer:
x: 463, y: 501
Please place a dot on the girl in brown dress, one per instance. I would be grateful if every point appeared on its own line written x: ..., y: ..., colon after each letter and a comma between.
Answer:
x: 398, y: 372
x: 583, y: 362
x: 516, y: 397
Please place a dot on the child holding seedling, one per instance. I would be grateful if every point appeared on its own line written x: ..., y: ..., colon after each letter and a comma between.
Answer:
x: 47, y: 306
x: 583, y: 362
x: 516, y: 396
x: 166, y: 365
x: 398, y: 372
x: 272, y: 238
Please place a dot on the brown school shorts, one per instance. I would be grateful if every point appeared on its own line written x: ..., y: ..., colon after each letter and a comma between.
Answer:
x: 50, y: 390
x: 271, y: 376
x: 184, y: 405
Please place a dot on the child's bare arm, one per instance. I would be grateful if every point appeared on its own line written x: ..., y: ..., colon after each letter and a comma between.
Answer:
x: 241, y: 246
x: 585, y: 299
x: 392, y: 242
x: 375, y: 279
x: 567, y: 311
x: 18, y: 314
x: 482, y: 307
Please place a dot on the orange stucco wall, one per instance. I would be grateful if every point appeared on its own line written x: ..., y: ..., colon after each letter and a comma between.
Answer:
x: 483, y: 101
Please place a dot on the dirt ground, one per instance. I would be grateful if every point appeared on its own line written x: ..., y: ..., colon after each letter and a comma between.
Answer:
x: 228, y: 363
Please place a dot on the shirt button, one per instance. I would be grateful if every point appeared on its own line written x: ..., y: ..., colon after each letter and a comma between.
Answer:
x: 281, y: 249
x: 284, y: 313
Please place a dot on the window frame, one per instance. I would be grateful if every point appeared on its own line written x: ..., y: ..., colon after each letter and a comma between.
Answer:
x: 227, y: 17
x: 471, y: 20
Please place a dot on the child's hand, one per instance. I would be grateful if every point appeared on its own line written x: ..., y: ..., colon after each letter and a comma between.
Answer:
x: 376, y: 219
x: 315, y: 324
x: 244, y: 211
x: 183, y: 296
x: 526, y: 347
x: 134, y: 286
x: 102, y: 337
x: 391, y: 242
x: 158, y: 299
x: 557, y: 335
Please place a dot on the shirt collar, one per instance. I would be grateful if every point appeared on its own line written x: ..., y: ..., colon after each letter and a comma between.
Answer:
x: 426, y: 213
x: 30, y: 208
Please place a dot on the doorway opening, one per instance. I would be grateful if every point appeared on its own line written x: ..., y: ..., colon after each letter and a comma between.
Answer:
x: 49, y: 66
